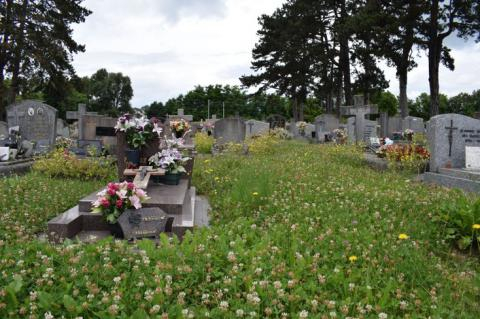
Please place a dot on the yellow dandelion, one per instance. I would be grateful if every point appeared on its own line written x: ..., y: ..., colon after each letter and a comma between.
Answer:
x: 476, y: 226
x: 403, y: 236
x: 353, y: 258
x: 255, y: 193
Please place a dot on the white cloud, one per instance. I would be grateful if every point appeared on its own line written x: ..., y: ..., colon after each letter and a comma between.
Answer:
x: 169, y: 46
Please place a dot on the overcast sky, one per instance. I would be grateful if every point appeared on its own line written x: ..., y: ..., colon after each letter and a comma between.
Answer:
x: 169, y: 46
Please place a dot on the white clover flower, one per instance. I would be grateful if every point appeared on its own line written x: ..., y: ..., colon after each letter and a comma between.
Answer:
x: 239, y: 313
x: 303, y: 314
x: 48, y: 315
x: 224, y: 305
x: 117, y: 279
x: 382, y: 315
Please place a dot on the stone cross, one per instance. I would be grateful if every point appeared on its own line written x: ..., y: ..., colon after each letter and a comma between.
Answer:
x: 181, y: 115
x: 359, y: 112
x: 78, y: 115
x: 250, y: 124
x: 450, y: 137
x: 143, y: 174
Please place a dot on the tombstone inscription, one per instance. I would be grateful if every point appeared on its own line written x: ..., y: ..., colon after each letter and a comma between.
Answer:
x: 448, y: 136
x: 37, y: 122
x: 472, y: 157
x: 143, y: 222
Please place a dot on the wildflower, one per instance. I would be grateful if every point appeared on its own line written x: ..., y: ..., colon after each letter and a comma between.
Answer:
x: 48, y: 315
x: 352, y: 259
x: 224, y: 305
x: 403, y: 236
x: 476, y: 226
x: 239, y: 313
x: 382, y: 315
x: 255, y: 193
x: 303, y: 314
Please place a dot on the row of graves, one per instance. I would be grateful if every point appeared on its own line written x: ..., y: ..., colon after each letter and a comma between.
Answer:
x: 451, y: 151
x: 153, y: 195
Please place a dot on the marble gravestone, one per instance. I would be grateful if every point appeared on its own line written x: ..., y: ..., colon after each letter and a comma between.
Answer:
x: 276, y: 120
x: 413, y: 123
x: 254, y: 127
x: 3, y: 130
x: 325, y: 124
x: 230, y: 130
x: 37, y: 122
x: 144, y: 222
x: 369, y: 130
x: 448, y: 136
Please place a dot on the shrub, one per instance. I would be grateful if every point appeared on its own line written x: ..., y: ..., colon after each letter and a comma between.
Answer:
x: 60, y: 163
x: 408, y: 157
x: 262, y: 144
x: 462, y: 222
x: 203, y: 143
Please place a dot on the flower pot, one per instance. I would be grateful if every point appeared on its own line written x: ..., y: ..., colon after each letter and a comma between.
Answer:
x: 178, y: 134
x: 133, y: 156
x: 116, y: 230
x: 168, y: 179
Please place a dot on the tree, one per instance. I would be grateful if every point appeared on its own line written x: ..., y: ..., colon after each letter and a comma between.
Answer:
x: 281, y: 58
x: 36, y: 41
x: 445, y: 18
x: 386, y: 102
x: 421, y: 106
x: 110, y: 93
x: 393, y: 24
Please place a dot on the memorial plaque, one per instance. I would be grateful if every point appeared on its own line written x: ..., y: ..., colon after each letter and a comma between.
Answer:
x: 472, y: 157
x: 143, y: 223
x: 105, y: 131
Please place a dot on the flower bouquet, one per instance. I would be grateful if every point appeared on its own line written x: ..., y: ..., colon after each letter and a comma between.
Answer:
x: 172, y: 161
x: 301, y: 126
x: 138, y: 132
x: 179, y: 127
x: 408, y: 134
x: 340, y: 135
x: 116, y: 198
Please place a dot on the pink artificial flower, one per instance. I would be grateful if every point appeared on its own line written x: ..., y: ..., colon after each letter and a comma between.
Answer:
x: 119, y: 203
x: 104, y: 202
x: 130, y: 186
x: 135, y: 201
x: 111, y: 191
x: 113, y: 186
x: 122, y: 193
x: 140, y: 193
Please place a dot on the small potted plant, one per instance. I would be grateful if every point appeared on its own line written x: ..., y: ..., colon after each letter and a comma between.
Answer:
x: 408, y: 134
x: 301, y: 126
x: 138, y: 131
x: 115, y: 199
x: 172, y: 161
x: 179, y: 128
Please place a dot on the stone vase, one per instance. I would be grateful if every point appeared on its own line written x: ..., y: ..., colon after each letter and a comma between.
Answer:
x: 133, y: 156
x: 168, y: 179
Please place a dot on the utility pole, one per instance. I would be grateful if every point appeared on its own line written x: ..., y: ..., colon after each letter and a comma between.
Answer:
x: 208, y: 110
x: 223, y: 103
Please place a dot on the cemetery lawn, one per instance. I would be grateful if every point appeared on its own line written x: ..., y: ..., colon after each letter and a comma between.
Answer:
x: 304, y: 231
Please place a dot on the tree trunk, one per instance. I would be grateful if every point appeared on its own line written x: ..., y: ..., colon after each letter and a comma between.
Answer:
x: 17, y: 59
x: 295, y: 109
x: 434, y: 51
x: 402, y: 78
x: 6, y: 32
x: 344, y: 58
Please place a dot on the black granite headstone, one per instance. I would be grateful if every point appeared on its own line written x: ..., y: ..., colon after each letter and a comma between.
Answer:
x: 105, y: 131
x: 143, y: 222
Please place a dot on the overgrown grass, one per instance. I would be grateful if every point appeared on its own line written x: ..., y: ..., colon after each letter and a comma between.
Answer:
x: 285, y: 228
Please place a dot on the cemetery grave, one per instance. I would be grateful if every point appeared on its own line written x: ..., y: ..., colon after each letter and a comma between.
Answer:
x: 320, y: 226
x: 169, y: 207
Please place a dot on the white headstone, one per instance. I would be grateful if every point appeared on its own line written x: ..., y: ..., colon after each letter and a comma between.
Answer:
x: 4, y: 153
x: 472, y: 157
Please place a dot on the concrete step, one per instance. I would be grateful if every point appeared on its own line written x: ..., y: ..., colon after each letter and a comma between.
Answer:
x: 169, y: 198
x: 451, y: 181
x: 473, y: 175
